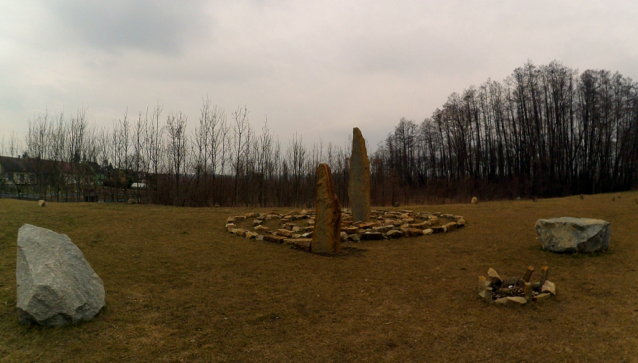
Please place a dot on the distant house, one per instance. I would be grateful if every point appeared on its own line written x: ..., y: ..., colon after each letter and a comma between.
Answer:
x: 34, y: 177
x: 16, y: 175
x: 16, y: 170
x: 138, y: 185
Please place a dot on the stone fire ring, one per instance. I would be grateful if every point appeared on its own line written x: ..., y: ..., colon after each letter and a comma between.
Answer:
x: 515, y: 291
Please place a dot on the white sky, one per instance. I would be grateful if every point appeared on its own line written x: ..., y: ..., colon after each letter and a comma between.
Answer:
x: 318, y: 68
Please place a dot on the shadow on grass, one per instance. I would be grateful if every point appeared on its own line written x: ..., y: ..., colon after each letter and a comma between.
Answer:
x: 346, y: 252
x: 602, y: 253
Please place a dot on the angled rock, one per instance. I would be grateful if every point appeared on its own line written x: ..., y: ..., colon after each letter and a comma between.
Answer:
x: 359, y: 185
x: 56, y: 285
x: 326, y: 235
x: 567, y: 234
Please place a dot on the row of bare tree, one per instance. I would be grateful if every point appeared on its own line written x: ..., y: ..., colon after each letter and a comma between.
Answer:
x: 154, y: 159
x: 545, y: 131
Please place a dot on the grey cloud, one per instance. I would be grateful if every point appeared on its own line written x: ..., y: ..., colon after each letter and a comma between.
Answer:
x: 159, y: 26
x: 416, y: 53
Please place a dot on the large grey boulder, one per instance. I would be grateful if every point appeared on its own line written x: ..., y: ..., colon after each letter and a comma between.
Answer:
x: 567, y: 234
x: 56, y: 285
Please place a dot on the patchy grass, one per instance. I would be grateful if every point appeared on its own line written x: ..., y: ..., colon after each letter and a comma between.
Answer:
x: 179, y: 288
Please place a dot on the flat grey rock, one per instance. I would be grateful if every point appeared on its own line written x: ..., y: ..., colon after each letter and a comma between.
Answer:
x: 569, y: 235
x: 56, y: 285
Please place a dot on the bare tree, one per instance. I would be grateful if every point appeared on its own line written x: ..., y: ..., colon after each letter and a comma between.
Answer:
x: 177, y: 151
x: 153, y: 142
x: 296, y: 154
x: 241, y: 142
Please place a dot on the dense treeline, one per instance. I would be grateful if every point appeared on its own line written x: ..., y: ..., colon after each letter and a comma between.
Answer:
x: 544, y: 131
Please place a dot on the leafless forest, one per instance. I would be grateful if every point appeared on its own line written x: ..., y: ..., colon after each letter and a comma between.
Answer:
x: 544, y: 131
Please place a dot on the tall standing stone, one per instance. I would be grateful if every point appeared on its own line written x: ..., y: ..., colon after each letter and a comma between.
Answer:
x: 359, y: 186
x: 326, y: 235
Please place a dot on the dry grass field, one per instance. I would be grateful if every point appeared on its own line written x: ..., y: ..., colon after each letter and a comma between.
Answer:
x: 181, y: 289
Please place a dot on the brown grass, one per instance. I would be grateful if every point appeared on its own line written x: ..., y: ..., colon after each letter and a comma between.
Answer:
x: 179, y: 288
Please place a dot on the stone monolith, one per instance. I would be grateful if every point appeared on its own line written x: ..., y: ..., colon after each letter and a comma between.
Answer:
x: 326, y: 235
x: 55, y: 283
x: 359, y: 185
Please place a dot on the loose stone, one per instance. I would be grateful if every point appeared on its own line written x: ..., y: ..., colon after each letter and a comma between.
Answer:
x: 543, y: 296
x: 494, y: 277
x: 549, y: 286
x: 371, y: 236
x: 394, y: 234
x: 274, y: 239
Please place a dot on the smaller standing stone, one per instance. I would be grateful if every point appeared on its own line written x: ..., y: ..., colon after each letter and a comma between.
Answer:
x: 326, y: 235
x: 474, y: 200
x: 42, y: 203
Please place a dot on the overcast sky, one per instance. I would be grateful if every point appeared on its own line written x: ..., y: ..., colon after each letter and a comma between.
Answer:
x: 318, y: 68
